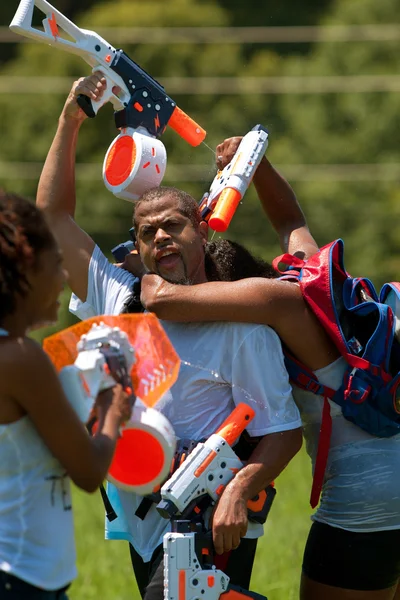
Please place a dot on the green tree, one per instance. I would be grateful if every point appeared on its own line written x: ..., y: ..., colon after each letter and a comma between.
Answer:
x: 347, y: 129
x: 29, y: 121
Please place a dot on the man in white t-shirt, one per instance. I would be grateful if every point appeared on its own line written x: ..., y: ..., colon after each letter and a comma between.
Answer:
x: 222, y: 363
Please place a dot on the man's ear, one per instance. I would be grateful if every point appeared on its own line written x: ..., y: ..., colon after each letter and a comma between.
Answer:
x: 203, y: 227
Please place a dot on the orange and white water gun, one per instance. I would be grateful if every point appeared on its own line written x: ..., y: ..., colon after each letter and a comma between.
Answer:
x: 136, y: 160
x: 134, y: 350
x: 209, y: 467
x: 219, y: 204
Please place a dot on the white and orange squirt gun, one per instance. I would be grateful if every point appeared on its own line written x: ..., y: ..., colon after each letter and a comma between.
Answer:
x: 209, y: 467
x: 219, y: 204
x: 189, y: 570
x: 134, y: 351
x: 136, y: 160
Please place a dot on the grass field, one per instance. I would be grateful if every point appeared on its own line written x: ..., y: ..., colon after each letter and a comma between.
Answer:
x: 104, y: 567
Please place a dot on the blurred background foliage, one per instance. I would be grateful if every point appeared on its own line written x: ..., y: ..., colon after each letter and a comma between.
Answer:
x: 339, y: 148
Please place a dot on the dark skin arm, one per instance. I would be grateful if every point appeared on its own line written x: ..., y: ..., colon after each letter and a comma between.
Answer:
x: 270, y: 457
x: 278, y: 201
x: 40, y: 395
x: 56, y: 190
x: 272, y: 302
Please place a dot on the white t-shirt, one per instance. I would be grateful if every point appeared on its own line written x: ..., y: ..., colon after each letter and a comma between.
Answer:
x: 36, y: 525
x: 222, y: 365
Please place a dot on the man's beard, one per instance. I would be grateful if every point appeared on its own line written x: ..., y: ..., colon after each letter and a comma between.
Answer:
x: 184, y: 280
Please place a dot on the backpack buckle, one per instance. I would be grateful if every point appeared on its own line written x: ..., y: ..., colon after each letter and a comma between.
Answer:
x: 357, y: 391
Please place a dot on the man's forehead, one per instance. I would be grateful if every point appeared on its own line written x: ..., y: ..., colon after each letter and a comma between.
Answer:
x: 158, y: 209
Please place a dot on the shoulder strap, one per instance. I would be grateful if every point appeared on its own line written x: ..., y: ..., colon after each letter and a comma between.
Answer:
x: 306, y: 379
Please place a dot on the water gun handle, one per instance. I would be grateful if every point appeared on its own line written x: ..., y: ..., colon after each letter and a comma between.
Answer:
x: 86, y: 105
x: 234, y: 425
x: 186, y: 127
x: 91, y: 107
x: 259, y: 506
x: 225, y: 208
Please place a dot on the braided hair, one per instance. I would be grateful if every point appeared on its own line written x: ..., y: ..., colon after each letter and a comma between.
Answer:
x: 24, y: 233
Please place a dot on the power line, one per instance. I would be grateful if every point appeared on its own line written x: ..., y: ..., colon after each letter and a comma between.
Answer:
x: 242, y: 35
x: 204, y: 173
x: 224, y: 85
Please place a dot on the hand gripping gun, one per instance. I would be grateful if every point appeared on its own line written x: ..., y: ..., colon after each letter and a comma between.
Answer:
x: 147, y: 443
x: 136, y: 159
x: 208, y: 469
x: 219, y: 204
x: 189, y: 570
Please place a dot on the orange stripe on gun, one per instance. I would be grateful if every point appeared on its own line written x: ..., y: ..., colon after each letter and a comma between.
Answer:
x: 205, y: 463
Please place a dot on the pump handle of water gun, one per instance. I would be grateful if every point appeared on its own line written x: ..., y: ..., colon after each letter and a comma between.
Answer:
x: 225, y: 208
x: 234, y: 425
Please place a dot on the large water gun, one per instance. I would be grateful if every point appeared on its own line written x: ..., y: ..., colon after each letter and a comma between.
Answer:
x: 206, y: 471
x: 189, y: 572
x: 134, y: 350
x: 136, y: 159
x: 229, y: 186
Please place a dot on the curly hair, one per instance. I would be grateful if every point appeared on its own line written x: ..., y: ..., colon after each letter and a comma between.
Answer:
x: 187, y: 204
x: 230, y: 261
x: 23, y: 234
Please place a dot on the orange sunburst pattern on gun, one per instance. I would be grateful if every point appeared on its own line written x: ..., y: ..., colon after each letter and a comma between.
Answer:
x: 156, y: 364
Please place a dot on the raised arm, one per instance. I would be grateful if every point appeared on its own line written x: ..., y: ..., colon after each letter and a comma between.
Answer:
x: 278, y: 201
x: 56, y: 190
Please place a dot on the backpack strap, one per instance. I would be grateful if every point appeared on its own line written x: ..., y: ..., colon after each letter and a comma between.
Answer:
x: 321, y: 460
x: 294, y: 264
x: 306, y: 379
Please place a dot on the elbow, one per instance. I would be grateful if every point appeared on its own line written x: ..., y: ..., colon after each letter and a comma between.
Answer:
x: 157, y: 304
x: 153, y: 304
x: 89, y: 483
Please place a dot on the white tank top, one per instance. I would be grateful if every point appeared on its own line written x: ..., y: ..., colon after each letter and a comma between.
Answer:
x: 310, y: 407
x: 36, y: 525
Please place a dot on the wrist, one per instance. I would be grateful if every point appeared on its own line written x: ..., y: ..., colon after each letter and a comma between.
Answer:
x: 112, y: 421
x: 237, y: 491
x: 68, y: 121
x: 262, y: 169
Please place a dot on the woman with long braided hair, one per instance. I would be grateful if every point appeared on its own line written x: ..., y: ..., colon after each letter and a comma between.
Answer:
x: 43, y: 444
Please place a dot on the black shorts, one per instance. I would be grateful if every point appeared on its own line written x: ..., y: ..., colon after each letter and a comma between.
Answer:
x: 14, y: 588
x: 350, y: 560
x: 237, y: 564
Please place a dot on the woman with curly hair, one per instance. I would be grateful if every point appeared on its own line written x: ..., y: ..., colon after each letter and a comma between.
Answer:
x: 43, y: 444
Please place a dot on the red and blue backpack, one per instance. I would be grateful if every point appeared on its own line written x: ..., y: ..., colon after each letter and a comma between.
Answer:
x: 361, y: 324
